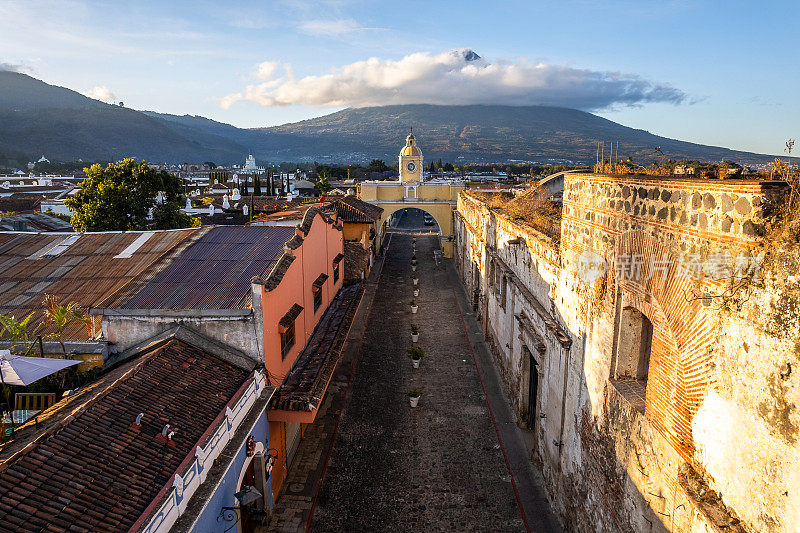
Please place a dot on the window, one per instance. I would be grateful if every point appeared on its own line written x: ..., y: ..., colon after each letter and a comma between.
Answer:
x: 633, y: 356
x: 286, y: 329
x: 317, y: 298
x: 287, y: 340
x: 336, y: 262
x: 316, y: 288
x: 503, y: 291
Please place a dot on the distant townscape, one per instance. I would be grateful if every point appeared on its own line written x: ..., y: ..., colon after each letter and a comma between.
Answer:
x: 549, y: 322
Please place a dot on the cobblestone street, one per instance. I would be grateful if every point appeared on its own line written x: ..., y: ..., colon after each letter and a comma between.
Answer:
x: 436, y: 467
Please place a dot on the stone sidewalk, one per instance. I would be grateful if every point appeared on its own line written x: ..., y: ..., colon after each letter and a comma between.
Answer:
x: 439, y: 467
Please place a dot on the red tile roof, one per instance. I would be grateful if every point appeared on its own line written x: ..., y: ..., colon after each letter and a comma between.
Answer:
x: 305, y: 383
x: 353, y: 209
x: 99, y: 471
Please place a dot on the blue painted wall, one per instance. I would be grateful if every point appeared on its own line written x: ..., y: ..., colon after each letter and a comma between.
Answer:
x: 210, y: 519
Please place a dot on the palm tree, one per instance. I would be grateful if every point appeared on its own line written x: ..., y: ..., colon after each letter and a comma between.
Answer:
x: 59, y: 316
x: 18, y: 330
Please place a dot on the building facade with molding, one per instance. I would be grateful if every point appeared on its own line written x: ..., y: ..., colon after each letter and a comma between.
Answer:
x: 648, y: 358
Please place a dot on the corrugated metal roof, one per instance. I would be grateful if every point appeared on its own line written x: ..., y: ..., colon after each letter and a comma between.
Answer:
x: 215, y: 271
x: 34, y: 222
x: 198, y: 268
x: 86, y: 273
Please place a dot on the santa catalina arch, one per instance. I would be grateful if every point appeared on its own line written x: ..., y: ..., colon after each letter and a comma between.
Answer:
x: 437, y: 197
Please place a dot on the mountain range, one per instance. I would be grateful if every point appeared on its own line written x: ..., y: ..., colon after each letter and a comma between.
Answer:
x: 41, y: 119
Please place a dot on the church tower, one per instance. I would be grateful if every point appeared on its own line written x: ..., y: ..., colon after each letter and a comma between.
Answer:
x: 410, y: 161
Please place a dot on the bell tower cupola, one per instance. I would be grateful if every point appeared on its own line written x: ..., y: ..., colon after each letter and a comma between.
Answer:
x: 410, y: 161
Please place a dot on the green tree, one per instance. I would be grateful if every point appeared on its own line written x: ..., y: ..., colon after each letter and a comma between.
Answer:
x: 170, y: 216
x: 120, y: 196
x: 257, y: 185
x: 322, y: 186
x: 377, y: 165
x: 18, y: 330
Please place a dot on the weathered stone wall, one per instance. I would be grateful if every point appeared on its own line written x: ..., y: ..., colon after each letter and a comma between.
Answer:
x: 237, y: 329
x: 622, y: 455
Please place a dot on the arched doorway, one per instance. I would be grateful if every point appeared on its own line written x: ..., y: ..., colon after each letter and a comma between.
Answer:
x: 251, y: 489
x: 413, y: 219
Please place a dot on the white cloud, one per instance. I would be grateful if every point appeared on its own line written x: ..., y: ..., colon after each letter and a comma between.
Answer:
x: 330, y: 28
x: 456, y: 77
x: 265, y: 70
x: 15, y: 67
x: 102, y: 93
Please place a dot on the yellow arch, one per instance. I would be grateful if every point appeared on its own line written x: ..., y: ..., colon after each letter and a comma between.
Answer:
x: 442, y: 213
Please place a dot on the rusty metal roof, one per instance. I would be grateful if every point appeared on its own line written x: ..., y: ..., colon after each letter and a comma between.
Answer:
x: 34, y: 222
x: 197, y: 268
x: 215, y: 271
x: 85, y: 273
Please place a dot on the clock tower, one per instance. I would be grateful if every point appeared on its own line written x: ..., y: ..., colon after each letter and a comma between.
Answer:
x: 410, y: 161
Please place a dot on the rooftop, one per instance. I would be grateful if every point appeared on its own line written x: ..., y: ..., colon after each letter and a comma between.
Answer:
x: 533, y: 208
x: 353, y: 209
x: 88, y: 269
x: 214, y: 272
x: 91, y: 467
x: 305, y: 383
x: 197, y: 268
x: 34, y: 222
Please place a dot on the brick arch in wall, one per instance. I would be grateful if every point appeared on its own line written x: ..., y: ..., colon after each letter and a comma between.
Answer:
x: 683, y: 336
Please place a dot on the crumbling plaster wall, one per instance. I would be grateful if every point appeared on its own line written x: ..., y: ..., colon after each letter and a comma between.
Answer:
x: 237, y: 330
x: 610, y: 467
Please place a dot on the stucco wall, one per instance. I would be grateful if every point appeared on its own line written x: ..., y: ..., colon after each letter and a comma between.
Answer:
x: 210, y: 518
x: 715, y: 368
x: 128, y: 329
x: 313, y: 257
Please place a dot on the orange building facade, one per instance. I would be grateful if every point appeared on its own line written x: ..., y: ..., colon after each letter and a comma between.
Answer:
x: 294, y: 296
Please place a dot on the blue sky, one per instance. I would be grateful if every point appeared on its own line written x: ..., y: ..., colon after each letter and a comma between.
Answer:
x: 720, y: 73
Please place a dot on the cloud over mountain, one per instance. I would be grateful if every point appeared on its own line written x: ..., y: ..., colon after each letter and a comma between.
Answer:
x: 102, y: 93
x: 13, y: 67
x: 456, y: 77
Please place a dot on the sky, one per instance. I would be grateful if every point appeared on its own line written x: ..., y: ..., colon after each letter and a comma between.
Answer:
x: 723, y: 73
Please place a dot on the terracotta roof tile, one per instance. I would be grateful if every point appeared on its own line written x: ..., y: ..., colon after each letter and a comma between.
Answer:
x: 304, y: 385
x: 353, y: 209
x: 108, y: 472
x: 290, y: 316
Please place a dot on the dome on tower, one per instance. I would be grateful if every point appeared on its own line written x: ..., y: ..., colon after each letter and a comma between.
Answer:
x: 411, y: 148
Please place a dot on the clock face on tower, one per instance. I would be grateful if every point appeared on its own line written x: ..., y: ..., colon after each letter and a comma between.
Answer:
x: 411, y: 167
